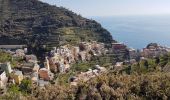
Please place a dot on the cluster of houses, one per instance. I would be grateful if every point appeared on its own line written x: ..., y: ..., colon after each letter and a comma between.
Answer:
x: 151, y: 51
x: 120, y: 51
x: 154, y: 50
x: 27, y: 69
x: 60, y: 59
x: 85, y: 76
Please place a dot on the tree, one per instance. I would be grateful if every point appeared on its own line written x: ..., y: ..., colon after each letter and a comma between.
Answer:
x: 164, y: 60
x: 25, y: 86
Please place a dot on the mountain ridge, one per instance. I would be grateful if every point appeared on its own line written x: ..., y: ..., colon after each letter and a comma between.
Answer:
x: 37, y: 23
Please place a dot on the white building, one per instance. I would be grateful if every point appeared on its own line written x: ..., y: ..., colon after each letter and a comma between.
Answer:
x: 132, y: 53
x: 6, y: 67
x: 3, y: 79
x: 62, y: 68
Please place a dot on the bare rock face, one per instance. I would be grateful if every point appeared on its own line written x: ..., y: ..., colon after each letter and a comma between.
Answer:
x: 36, y: 23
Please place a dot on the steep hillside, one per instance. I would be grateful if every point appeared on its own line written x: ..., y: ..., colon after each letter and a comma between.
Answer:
x: 34, y: 22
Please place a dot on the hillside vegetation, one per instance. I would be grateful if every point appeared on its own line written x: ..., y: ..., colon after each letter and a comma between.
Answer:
x: 33, y: 22
x: 142, y: 81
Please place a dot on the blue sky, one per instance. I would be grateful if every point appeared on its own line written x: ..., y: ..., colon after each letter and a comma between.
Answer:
x: 115, y: 7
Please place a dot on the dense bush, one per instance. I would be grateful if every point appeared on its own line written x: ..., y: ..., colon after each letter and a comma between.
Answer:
x: 4, y: 57
x: 152, y: 86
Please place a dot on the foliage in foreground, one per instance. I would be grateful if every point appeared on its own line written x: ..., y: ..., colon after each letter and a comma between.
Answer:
x: 141, y: 81
x: 151, y: 86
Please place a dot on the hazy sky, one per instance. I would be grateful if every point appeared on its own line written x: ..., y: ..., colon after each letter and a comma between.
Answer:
x: 114, y: 7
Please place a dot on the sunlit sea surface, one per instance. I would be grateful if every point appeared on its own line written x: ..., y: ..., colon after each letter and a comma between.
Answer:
x: 138, y: 31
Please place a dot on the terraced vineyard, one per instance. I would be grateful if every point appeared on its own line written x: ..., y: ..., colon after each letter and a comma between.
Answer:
x: 37, y: 23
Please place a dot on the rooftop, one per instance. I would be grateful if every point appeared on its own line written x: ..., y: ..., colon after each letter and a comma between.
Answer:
x: 18, y: 72
x: 117, y: 43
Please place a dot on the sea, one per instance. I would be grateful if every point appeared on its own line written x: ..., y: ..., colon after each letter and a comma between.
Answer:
x: 138, y: 31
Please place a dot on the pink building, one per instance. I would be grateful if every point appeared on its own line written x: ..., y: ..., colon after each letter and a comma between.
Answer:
x: 44, y: 74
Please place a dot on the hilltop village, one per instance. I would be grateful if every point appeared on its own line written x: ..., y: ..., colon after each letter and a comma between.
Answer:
x: 60, y: 60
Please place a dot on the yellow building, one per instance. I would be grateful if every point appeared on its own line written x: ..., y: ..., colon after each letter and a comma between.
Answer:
x: 18, y: 77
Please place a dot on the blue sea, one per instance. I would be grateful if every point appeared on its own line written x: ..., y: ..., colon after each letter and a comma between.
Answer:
x: 138, y: 31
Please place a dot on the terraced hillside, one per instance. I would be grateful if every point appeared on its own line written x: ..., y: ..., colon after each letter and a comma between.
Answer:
x: 37, y: 23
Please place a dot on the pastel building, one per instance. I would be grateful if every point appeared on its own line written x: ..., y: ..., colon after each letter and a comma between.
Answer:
x: 132, y: 53
x: 44, y: 74
x: 36, y: 67
x: 82, y: 55
x: 34, y: 78
x: 6, y: 67
x: 46, y: 64
x: 18, y: 77
x: 75, y: 52
x: 31, y: 58
x: 19, y: 53
x: 28, y: 67
x: 62, y: 68
x: 3, y: 79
